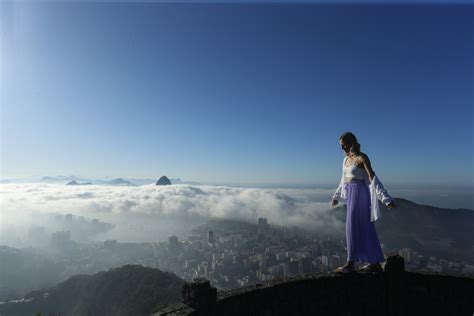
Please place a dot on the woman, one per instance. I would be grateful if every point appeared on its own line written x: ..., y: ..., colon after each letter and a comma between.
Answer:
x: 361, y: 189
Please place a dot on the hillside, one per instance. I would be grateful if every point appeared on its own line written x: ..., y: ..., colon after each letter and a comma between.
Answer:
x: 129, y: 290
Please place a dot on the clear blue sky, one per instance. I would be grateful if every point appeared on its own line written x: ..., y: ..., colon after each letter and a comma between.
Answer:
x: 239, y: 93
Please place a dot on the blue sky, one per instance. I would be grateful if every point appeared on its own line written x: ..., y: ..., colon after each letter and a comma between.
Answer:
x: 236, y: 93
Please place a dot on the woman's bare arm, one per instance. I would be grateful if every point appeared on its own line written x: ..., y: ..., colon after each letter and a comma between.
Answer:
x: 367, y: 166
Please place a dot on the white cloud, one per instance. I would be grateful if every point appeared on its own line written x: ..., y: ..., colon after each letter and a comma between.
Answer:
x: 302, y: 207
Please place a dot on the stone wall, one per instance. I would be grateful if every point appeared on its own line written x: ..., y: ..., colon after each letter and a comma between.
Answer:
x: 392, y: 292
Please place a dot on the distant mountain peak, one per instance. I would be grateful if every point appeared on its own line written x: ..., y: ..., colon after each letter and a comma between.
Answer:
x: 119, y: 181
x: 163, y: 181
x: 74, y: 182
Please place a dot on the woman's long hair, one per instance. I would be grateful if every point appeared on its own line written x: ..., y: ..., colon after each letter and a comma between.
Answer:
x: 350, y: 140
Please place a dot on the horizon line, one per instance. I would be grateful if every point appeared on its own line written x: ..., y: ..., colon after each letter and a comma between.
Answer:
x: 244, y: 184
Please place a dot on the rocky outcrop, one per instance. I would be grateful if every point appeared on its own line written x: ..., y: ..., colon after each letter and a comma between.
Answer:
x: 163, y: 181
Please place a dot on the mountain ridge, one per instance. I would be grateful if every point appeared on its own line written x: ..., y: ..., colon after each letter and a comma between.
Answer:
x: 126, y: 290
x: 443, y: 232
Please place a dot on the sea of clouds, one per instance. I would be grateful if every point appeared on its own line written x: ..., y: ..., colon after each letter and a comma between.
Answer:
x: 150, y: 212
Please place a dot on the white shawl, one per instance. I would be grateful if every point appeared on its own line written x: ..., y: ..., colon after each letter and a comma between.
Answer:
x: 376, y: 189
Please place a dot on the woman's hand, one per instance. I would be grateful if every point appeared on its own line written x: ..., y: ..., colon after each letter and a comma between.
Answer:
x: 334, y: 203
x: 391, y: 205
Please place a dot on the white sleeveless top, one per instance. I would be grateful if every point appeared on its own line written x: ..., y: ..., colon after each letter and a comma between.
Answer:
x: 352, y: 171
x: 377, y: 191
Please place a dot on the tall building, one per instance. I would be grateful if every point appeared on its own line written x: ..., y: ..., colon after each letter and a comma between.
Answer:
x: 305, y: 265
x: 324, y: 262
x: 263, y: 260
x: 205, y: 269
x: 172, y: 242
x: 210, y: 237
x: 291, y: 268
x: 263, y: 224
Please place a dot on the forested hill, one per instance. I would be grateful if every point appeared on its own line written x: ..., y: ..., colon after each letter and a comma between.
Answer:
x: 129, y: 290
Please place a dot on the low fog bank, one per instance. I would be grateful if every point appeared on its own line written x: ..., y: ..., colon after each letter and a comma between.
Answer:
x: 150, y: 213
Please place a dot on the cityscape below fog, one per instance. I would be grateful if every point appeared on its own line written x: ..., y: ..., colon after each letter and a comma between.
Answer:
x: 229, y: 253
x: 251, y: 254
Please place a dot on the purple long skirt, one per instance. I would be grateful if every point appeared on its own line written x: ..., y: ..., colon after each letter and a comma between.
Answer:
x: 362, y: 242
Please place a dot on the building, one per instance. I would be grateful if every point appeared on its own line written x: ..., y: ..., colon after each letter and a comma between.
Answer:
x: 172, y: 242
x: 334, y: 261
x: 263, y: 224
x: 291, y: 268
x: 62, y: 240
x: 406, y: 254
x: 324, y: 262
x: 210, y: 237
x: 305, y: 265
x: 110, y: 244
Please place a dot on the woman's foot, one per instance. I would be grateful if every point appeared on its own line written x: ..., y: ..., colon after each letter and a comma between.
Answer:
x: 372, y: 267
x: 347, y: 268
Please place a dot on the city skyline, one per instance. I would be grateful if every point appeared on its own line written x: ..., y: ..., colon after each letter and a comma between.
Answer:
x: 236, y: 93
